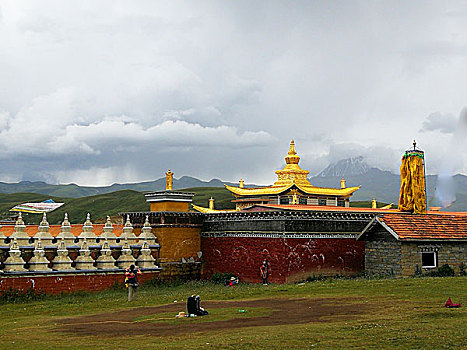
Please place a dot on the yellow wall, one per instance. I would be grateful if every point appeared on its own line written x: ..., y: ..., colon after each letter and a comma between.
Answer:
x: 178, y: 242
x: 170, y: 206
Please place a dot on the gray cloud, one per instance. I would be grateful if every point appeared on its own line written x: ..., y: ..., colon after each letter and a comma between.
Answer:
x: 445, y: 123
x: 106, y: 91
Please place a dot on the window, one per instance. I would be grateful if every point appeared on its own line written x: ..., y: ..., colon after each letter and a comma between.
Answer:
x: 341, y: 203
x: 302, y: 200
x: 284, y: 200
x: 429, y: 260
x: 322, y: 201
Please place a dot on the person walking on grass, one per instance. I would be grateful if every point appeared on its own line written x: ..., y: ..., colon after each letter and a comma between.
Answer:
x: 264, y: 272
x: 131, y: 280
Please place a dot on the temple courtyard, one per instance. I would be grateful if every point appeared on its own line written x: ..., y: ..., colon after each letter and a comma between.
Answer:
x: 334, y: 313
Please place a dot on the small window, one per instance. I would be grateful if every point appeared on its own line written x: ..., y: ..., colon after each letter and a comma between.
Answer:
x: 284, y: 200
x: 429, y: 260
x: 322, y: 201
x: 341, y: 203
x: 302, y: 201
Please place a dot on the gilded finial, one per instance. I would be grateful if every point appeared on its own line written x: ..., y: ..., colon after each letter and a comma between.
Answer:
x: 169, y: 177
x: 342, y: 183
x: 241, y: 183
x: 292, y: 157
x: 292, y: 148
x: 211, y: 203
x: 373, y: 203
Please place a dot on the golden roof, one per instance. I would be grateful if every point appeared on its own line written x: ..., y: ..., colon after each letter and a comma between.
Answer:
x: 338, y: 192
x: 208, y: 210
x: 291, y: 175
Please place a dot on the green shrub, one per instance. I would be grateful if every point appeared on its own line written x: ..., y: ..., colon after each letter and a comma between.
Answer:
x: 314, y: 278
x: 462, y: 271
x: 20, y: 296
x: 222, y: 278
x: 443, y: 271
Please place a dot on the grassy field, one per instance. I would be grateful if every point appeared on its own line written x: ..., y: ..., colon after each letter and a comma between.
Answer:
x: 395, y: 313
x: 100, y: 206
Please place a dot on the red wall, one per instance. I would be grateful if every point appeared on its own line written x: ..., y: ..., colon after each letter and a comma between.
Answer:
x: 289, y: 258
x: 67, y: 283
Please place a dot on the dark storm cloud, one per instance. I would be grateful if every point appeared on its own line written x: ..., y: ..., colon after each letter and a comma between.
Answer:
x: 98, y: 92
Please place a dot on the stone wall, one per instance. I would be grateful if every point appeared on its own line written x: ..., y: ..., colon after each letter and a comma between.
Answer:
x: 382, y: 253
x: 181, y: 271
x: 451, y: 253
x: 383, y: 258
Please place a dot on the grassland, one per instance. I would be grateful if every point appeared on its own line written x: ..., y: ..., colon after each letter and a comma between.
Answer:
x: 100, y: 206
x: 401, y: 313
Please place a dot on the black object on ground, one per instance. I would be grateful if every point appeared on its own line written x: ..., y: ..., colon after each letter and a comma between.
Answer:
x: 193, y: 306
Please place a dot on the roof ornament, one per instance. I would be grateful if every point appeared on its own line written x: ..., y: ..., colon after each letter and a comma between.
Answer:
x: 292, y: 157
x: 44, y: 220
x: 108, y: 223
x: 65, y: 221
x: 146, y: 222
x: 19, y: 220
x: 169, y: 177
x: 88, y: 220
x: 128, y: 222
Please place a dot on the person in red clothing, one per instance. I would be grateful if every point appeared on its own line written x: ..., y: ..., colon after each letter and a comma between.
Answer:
x: 264, y: 272
x: 131, y: 273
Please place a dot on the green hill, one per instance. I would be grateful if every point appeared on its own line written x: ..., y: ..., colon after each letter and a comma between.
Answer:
x: 100, y: 206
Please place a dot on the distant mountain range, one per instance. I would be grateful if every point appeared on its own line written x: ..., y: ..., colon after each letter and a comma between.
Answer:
x: 382, y: 185
x: 346, y: 167
x: 76, y: 191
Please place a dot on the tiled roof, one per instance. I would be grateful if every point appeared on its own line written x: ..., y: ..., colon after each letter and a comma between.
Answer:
x: 31, y: 230
x: 321, y: 208
x: 439, y: 226
x: 269, y: 190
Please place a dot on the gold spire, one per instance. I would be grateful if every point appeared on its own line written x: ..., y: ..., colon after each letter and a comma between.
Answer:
x: 241, y: 183
x: 292, y: 157
x: 292, y: 173
x: 211, y: 203
x: 169, y: 177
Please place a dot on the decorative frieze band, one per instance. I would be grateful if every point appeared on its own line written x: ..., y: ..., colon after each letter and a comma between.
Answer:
x: 281, y: 235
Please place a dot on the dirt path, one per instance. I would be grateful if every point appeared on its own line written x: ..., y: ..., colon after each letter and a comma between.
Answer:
x: 284, y: 311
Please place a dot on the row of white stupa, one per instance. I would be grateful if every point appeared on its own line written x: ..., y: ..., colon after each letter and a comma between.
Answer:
x: 23, y: 239
x: 84, y: 261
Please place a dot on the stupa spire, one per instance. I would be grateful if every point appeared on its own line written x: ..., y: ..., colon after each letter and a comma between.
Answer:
x: 292, y: 156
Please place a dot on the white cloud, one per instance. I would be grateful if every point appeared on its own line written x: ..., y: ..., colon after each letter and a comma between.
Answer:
x: 219, y: 88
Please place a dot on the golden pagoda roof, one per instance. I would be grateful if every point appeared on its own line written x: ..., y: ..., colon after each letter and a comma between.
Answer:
x: 292, y: 175
x: 210, y: 211
x: 258, y: 191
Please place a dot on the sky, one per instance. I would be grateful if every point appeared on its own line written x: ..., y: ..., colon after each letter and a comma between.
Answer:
x: 98, y: 92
